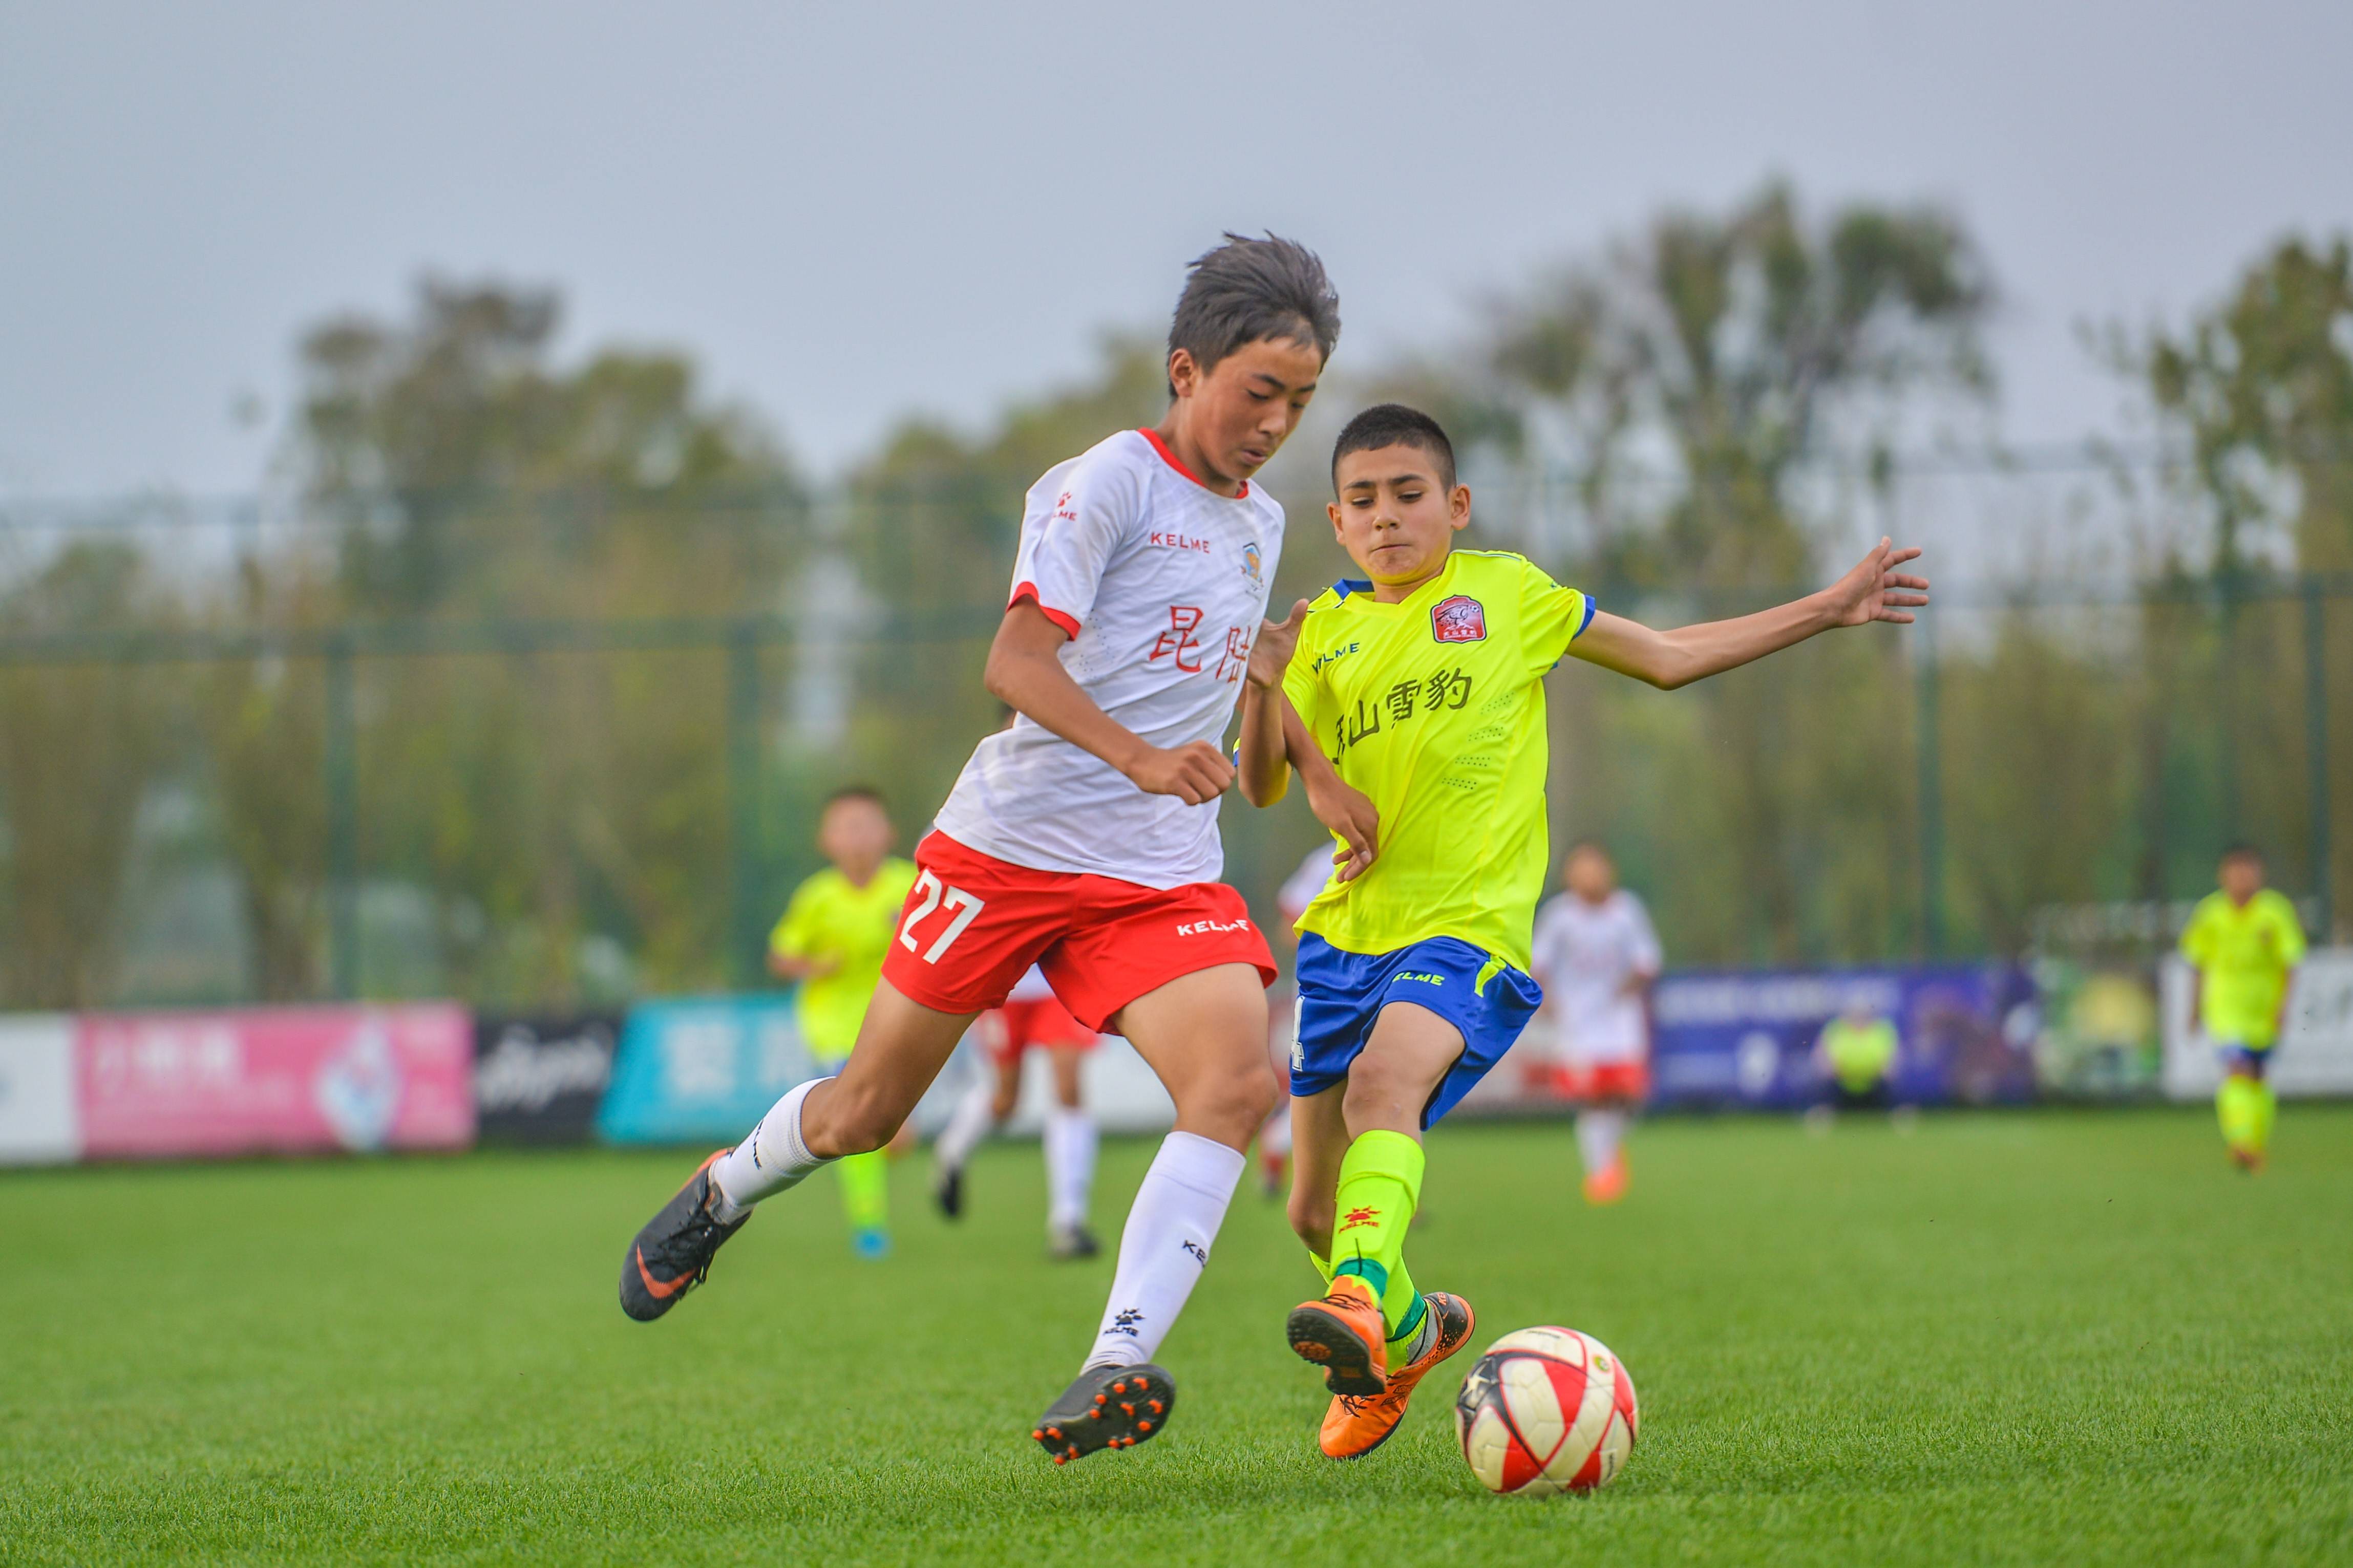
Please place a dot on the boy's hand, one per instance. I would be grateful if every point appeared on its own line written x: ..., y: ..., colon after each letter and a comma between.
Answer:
x: 1350, y: 813
x: 1875, y: 591
x: 1195, y: 772
x: 1269, y: 656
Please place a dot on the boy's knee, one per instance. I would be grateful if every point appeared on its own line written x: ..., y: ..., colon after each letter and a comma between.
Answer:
x: 854, y: 1123
x: 1311, y: 1220
x: 1234, y: 1103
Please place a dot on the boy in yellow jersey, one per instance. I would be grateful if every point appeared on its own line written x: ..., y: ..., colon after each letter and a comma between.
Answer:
x: 2244, y: 942
x: 1422, y: 685
x: 832, y: 940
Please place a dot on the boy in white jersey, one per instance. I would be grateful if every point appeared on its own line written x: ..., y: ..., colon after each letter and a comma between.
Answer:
x: 1595, y: 955
x: 1084, y: 838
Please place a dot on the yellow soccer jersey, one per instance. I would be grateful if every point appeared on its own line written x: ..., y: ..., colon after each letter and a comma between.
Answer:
x: 1434, y: 707
x: 2244, y: 954
x: 829, y: 918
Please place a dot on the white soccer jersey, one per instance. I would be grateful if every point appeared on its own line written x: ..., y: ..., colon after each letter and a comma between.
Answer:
x: 1583, y: 955
x: 1299, y: 889
x: 1162, y: 585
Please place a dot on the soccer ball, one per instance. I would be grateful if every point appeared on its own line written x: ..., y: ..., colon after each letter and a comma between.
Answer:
x: 1545, y: 1411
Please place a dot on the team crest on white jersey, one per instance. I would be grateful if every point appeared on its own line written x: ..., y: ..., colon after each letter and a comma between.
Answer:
x: 1253, y: 564
x: 1458, y: 619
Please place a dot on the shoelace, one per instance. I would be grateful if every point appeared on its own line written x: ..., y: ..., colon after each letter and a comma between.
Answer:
x: 696, y: 1241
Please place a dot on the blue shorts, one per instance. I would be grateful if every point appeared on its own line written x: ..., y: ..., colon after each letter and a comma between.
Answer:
x: 1341, y: 994
x: 2244, y: 1061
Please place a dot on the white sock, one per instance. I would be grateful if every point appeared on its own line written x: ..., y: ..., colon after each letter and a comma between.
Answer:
x: 1070, y: 1167
x: 1166, y: 1246
x: 1598, y: 1135
x: 772, y: 1159
x: 974, y: 1114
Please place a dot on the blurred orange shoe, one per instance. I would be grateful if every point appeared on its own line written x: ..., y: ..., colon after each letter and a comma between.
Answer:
x: 1354, y: 1428
x: 1608, y: 1185
x: 1344, y: 1334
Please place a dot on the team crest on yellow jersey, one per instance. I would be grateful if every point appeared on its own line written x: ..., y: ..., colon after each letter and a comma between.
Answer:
x: 1458, y: 619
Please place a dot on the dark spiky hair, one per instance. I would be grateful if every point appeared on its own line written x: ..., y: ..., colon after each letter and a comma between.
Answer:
x: 1395, y: 424
x: 1250, y: 290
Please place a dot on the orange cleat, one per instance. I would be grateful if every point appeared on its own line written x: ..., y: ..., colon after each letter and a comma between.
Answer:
x: 1354, y: 1428
x: 1608, y: 1185
x: 1343, y: 1334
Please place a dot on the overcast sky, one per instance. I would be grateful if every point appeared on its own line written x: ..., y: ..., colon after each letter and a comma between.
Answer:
x: 852, y: 211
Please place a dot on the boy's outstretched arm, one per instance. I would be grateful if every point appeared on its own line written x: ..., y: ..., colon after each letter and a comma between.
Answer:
x: 1025, y: 670
x: 1873, y: 590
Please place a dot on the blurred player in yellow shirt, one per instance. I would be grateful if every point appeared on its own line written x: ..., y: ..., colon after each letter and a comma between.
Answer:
x: 2243, y: 943
x: 1421, y: 687
x: 832, y: 940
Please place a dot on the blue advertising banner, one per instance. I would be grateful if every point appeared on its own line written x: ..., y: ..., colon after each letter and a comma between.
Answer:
x: 1946, y: 1033
x: 702, y: 1070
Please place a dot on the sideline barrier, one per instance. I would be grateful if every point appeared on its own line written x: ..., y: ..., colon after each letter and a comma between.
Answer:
x: 539, y: 1079
x: 273, y: 1080
x: 1730, y: 1039
x: 2314, y: 1055
x: 702, y: 1070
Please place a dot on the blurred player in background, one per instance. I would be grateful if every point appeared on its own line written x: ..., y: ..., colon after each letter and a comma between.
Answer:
x: 1856, y: 1051
x: 1030, y: 1019
x: 1422, y: 687
x: 832, y: 938
x: 2243, y: 943
x: 1085, y: 838
x: 1290, y: 902
x: 1596, y: 956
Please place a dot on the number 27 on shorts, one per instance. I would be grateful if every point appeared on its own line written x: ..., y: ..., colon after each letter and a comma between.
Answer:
x: 963, y: 906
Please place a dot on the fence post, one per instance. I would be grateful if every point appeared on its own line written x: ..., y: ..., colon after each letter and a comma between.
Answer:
x: 342, y: 825
x: 2315, y: 746
x: 743, y: 801
x: 2226, y: 692
x: 1932, y: 796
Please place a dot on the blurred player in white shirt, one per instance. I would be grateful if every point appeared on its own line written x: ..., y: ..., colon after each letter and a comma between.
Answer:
x: 1030, y: 1019
x: 1290, y: 900
x: 1597, y: 956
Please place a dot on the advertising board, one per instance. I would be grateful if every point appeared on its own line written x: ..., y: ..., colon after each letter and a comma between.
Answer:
x: 2314, y: 1055
x: 539, y: 1079
x: 274, y: 1081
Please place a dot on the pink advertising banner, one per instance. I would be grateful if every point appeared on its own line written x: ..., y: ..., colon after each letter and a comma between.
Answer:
x: 275, y: 1080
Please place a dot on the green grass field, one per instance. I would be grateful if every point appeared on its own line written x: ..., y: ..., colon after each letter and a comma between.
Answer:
x: 2029, y: 1338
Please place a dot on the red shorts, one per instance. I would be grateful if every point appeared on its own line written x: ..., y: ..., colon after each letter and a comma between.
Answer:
x: 1044, y: 1023
x: 974, y: 925
x: 1602, y: 1080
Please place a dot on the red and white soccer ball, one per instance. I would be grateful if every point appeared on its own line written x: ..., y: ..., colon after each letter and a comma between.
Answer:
x: 1546, y: 1411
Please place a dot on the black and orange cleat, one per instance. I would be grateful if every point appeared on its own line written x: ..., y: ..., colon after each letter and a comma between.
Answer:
x: 1343, y: 1334
x: 1107, y: 1407
x: 1354, y: 1428
x: 672, y: 1254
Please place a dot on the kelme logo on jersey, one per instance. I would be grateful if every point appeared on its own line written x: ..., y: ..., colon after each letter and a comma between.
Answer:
x: 1458, y: 619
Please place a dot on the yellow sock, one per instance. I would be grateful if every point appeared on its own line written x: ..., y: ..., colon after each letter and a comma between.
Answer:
x: 1380, y: 1183
x: 865, y: 1190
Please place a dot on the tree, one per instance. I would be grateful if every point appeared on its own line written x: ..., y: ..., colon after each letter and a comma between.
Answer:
x: 80, y: 745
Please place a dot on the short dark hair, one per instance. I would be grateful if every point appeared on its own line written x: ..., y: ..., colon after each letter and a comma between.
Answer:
x: 1250, y: 290
x: 2240, y: 850
x: 867, y: 792
x: 1395, y: 424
